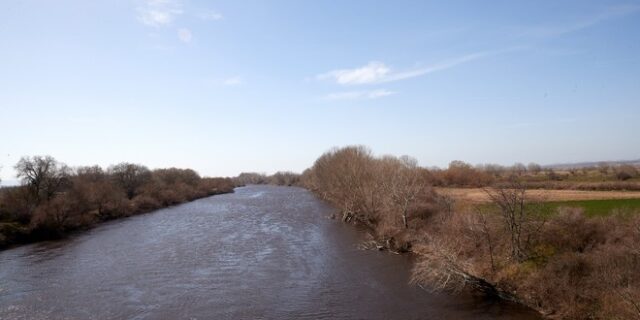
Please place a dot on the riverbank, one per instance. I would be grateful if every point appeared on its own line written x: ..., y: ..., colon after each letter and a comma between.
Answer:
x: 410, y: 246
x: 262, y: 252
x: 14, y: 234
x: 448, y: 260
x: 55, y: 200
x: 562, y: 262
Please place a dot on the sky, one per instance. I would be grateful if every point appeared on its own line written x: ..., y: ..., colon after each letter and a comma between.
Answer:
x: 230, y: 86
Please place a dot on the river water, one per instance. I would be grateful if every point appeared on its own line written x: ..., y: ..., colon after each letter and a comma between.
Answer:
x: 262, y: 252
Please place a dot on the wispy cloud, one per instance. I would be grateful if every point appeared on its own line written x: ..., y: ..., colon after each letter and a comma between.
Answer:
x: 185, y: 35
x: 158, y: 13
x: 162, y: 13
x: 210, y: 15
x: 559, y: 121
x: 370, y: 73
x: 377, y: 72
x: 357, y: 95
x: 233, y: 81
x: 559, y: 30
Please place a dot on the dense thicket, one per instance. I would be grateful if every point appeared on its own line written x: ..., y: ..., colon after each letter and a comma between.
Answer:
x: 55, y: 199
x: 562, y: 263
x: 389, y: 195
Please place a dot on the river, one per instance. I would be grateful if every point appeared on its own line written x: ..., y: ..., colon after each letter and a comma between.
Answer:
x: 262, y: 252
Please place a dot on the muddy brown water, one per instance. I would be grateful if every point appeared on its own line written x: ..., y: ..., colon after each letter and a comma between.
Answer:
x: 262, y: 252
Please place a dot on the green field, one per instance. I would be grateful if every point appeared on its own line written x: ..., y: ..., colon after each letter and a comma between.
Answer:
x: 594, y: 208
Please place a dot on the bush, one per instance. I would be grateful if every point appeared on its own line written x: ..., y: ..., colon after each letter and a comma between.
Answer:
x: 145, y: 203
x: 60, y: 214
x: 626, y: 172
x: 16, y: 204
x: 462, y: 174
x: 386, y: 194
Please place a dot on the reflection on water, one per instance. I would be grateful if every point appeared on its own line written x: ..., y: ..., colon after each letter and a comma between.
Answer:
x: 261, y: 253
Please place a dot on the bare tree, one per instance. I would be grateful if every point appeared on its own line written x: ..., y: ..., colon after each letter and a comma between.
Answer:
x: 130, y: 177
x: 518, y: 169
x: 245, y: 178
x: 348, y: 178
x: 494, y: 170
x: 604, y: 168
x: 461, y: 173
x: 403, y: 182
x: 43, y: 175
x: 552, y: 175
x: 284, y: 178
x: 482, y: 223
x: 573, y: 171
x: 521, y: 219
x: 92, y: 185
x: 90, y: 173
x: 174, y: 175
x: 625, y: 172
x: 442, y: 265
x: 534, y: 168
x: 56, y: 215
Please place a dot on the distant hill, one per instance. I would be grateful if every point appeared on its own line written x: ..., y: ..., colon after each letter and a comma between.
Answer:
x: 592, y: 164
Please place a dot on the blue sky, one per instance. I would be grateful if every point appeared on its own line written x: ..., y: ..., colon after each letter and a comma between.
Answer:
x: 231, y: 86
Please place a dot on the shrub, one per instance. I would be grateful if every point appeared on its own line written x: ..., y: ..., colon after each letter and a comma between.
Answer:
x: 58, y: 215
x: 145, y: 203
x: 626, y: 172
x: 387, y: 194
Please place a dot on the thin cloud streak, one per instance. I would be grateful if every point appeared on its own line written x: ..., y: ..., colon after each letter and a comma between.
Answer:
x: 437, y: 67
x: 359, y: 95
x: 377, y: 72
x: 557, y: 31
x: 210, y: 16
x: 233, y: 81
x: 370, y: 73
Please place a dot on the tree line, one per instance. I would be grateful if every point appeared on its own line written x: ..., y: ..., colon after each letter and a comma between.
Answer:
x: 55, y: 199
x: 280, y: 178
x: 604, y: 176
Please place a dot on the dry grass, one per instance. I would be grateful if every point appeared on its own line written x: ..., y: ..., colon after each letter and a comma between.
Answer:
x: 478, y: 195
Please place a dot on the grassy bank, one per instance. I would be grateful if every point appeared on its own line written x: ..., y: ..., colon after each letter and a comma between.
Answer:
x: 576, y: 263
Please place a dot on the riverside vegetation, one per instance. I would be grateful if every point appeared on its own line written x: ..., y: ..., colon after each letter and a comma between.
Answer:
x: 55, y: 199
x: 552, y: 258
